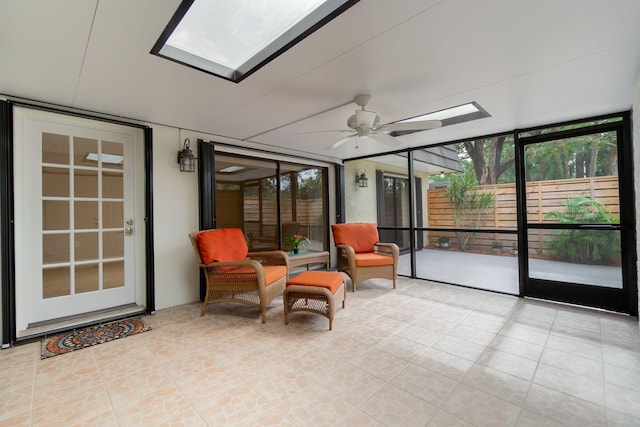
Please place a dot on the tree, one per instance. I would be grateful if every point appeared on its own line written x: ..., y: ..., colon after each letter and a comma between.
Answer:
x: 490, y: 157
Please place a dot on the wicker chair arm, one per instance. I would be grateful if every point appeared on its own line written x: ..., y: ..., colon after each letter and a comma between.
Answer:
x: 270, y: 257
x: 346, y: 252
x: 244, y: 263
x: 387, y: 249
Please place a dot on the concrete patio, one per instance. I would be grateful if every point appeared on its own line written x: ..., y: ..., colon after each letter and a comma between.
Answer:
x: 500, y: 272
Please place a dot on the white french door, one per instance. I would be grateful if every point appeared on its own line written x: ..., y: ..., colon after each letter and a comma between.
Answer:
x: 78, y: 226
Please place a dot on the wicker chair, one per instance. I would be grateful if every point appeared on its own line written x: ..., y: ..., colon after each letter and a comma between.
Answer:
x: 361, y: 255
x: 235, y: 275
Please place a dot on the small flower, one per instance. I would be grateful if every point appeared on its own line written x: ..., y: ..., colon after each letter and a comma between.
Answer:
x: 296, y: 240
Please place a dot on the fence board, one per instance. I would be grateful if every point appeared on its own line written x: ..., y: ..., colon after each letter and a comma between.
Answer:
x: 542, y: 197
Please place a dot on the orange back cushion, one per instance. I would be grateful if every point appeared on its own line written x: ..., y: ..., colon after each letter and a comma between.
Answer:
x: 222, y: 245
x: 361, y: 236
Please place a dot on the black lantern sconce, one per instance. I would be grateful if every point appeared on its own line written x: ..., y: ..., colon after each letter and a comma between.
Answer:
x: 186, y: 159
x: 361, y: 179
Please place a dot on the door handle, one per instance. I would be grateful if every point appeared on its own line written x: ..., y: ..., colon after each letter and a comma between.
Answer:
x: 128, y: 228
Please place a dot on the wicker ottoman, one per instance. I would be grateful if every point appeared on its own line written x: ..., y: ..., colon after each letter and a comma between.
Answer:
x: 314, y: 291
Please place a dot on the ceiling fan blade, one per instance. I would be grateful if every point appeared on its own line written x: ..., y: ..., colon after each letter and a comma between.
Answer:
x: 325, y: 131
x: 341, y: 141
x: 385, y: 139
x: 417, y: 125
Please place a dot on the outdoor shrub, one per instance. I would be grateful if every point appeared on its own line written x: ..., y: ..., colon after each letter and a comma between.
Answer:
x: 584, y: 246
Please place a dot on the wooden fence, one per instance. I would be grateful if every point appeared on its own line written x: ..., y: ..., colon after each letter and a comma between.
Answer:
x: 542, y: 197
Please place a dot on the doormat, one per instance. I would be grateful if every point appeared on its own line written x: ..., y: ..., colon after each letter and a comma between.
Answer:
x: 94, y: 335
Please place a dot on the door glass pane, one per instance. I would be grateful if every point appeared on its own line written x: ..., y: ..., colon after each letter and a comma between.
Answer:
x: 112, y: 185
x: 86, y: 215
x: 86, y: 246
x: 55, y: 248
x: 85, y: 183
x: 55, y: 182
x: 113, y: 155
x: 113, y: 244
x: 113, y: 275
x: 87, y: 278
x: 85, y: 151
x: 112, y: 214
x: 302, y: 206
x: 55, y: 148
x: 55, y: 215
x: 246, y: 198
x: 56, y: 282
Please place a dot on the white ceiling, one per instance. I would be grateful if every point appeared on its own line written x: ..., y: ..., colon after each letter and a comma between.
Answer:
x: 525, y: 62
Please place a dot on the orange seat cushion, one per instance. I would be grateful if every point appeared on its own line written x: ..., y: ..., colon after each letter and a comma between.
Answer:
x: 273, y: 273
x: 222, y: 245
x: 372, y: 259
x: 322, y: 279
x: 361, y: 236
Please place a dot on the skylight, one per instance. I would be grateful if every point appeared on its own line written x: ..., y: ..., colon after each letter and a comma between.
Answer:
x: 233, y: 38
x: 449, y: 116
x: 447, y: 113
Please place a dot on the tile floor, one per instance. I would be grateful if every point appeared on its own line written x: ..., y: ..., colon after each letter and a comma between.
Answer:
x: 422, y: 355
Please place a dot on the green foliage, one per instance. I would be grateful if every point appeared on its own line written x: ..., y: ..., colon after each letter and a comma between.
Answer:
x: 468, y: 205
x: 585, y: 246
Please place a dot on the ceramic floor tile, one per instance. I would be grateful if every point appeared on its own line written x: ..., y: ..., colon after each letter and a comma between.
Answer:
x: 569, y: 383
x: 424, y: 383
x: 508, y: 363
x: 517, y: 347
x: 580, y: 347
x: 504, y: 386
x: 379, y: 363
x: 444, y: 363
x: 623, y: 376
x: 166, y: 406
x: 577, y: 364
x: 618, y: 419
x: 401, y: 347
x: 524, y: 333
x: 562, y: 408
x: 459, y: 347
x: 394, y: 407
x: 479, y: 408
x: 351, y: 384
x: 445, y: 419
x: 422, y: 354
x: 623, y: 400
x: 317, y: 406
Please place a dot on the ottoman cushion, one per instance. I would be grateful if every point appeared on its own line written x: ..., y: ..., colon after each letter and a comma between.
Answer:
x: 323, y: 279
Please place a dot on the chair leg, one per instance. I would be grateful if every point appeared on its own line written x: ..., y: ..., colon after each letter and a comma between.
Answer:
x: 204, y: 307
x: 263, y: 310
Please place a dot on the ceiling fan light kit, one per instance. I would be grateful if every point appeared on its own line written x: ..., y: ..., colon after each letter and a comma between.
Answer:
x: 366, y: 124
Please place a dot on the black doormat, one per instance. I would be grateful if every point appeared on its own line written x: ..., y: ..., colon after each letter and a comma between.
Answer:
x: 94, y: 335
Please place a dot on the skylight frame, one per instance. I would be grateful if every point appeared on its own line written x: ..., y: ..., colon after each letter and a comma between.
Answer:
x: 303, y: 28
x: 447, y: 120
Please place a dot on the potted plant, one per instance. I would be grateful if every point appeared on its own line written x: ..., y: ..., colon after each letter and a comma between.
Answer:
x: 443, y: 242
x: 296, y: 241
x: 496, y: 246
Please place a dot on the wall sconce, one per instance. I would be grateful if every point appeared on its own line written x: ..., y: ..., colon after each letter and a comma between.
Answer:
x: 361, y: 179
x: 186, y: 159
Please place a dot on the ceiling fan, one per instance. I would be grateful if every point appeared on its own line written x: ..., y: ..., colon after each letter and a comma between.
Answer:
x: 366, y: 124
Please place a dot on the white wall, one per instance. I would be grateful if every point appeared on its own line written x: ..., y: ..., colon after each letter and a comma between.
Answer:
x: 360, y: 203
x: 175, y: 215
